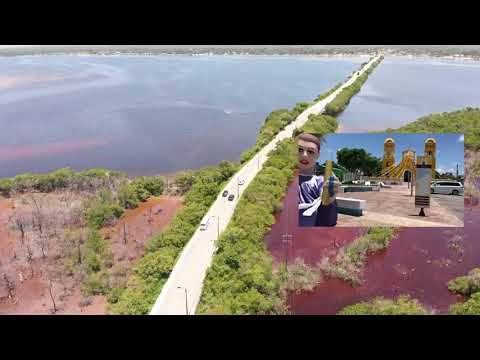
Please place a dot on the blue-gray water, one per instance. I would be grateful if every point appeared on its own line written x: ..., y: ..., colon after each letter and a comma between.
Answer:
x: 402, y: 90
x: 146, y: 114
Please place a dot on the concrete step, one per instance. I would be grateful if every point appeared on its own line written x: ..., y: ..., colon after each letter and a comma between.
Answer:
x: 349, y: 206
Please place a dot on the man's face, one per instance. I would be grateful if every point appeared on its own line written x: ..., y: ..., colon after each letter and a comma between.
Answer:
x: 307, y: 155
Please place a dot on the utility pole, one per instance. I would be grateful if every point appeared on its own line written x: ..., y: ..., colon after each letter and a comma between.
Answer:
x: 412, y: 180
x: 186, y: 299
x: 286, y: 239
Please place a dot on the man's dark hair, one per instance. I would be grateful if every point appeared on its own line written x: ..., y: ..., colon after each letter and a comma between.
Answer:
x: 317, y: 140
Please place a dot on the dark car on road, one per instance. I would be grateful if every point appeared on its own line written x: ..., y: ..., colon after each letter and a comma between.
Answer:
x: 230, y: 198
x: 225, y: 193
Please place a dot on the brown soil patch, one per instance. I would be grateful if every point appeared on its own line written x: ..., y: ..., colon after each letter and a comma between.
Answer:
x: 31, y: 294
x: 131, y: 233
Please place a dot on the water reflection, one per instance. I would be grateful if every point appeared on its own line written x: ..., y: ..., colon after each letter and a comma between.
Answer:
x: 400, y: 91
x: 153, y: 114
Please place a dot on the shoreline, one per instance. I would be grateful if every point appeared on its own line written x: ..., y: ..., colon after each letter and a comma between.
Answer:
x: 406, y: 56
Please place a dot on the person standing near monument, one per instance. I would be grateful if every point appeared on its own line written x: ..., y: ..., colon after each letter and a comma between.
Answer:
x: 310, y: 186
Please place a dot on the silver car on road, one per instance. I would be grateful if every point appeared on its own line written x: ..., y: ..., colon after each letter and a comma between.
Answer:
x: 447, y: 188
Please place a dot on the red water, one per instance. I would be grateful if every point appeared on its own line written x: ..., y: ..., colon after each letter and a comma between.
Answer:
x: 18, y: 152
x: 418, y: 262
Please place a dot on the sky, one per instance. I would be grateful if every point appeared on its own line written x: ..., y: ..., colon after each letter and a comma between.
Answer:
x: 450, y: 147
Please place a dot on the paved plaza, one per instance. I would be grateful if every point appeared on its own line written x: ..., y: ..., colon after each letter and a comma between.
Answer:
x: 396, y: 207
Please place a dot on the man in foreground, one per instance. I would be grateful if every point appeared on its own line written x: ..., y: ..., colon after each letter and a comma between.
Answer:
x: 312, y: 211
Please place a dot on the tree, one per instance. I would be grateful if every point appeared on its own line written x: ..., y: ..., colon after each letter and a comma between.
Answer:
x: 358, y: 159
x: 184, y: 181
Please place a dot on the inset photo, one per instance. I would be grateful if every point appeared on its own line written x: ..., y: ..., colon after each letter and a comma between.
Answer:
x: 381, y: 179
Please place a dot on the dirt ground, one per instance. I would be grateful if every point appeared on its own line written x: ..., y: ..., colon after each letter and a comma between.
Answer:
x: 129, y: 236
x: 30, y: 294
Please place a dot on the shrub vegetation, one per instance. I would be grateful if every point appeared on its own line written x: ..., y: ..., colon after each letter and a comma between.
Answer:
x: 468, y: 286
x: 404, y: 305
x: 350, y: 261
x: 153, y: 269
x: 466, y: 121
x: 240, y: 279
x: 469, y: 307
x: 337, y: 105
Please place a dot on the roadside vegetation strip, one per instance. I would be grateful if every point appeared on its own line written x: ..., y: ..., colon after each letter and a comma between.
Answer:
x: 151, y: 272
x: 403, y: 305
x: 241, y: 278
x: 275, y: 122
x: 200, y: 188
x: 466, y: 121
x: 350, y: 261
x: 331, y: 91
x: 337, y: 105
x: 146, y: 283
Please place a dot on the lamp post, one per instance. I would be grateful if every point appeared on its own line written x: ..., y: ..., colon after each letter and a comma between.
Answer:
x: 218, y: 227
x: 286, y: 239
x: 186, y: 298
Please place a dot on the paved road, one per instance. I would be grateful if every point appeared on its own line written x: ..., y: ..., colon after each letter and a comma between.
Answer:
x: 183, y: 288
x: 453, y: 203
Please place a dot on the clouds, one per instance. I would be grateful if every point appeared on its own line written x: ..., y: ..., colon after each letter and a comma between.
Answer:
x: 442, y: 170
x: 461, y: 138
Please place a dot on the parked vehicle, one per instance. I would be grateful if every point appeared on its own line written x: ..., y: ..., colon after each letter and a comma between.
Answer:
x: 225, y: 193
x: 204, y: 224
x: 231, y: 197
x: 447, y: 187
x: 375, y: 185
x: 383, y: 185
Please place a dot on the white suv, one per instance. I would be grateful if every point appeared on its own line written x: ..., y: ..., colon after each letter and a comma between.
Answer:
x: 447, y: 187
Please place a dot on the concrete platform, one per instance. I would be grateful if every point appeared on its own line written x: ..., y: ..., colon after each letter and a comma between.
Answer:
x: 349, y: 206
x: 395, y: 206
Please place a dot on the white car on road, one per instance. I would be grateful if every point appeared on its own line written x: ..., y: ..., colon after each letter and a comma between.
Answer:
x: 204, y: 224
x: 447, y: 188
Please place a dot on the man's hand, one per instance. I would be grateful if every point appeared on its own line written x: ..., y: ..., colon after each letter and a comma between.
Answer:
x: 336, y: 189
